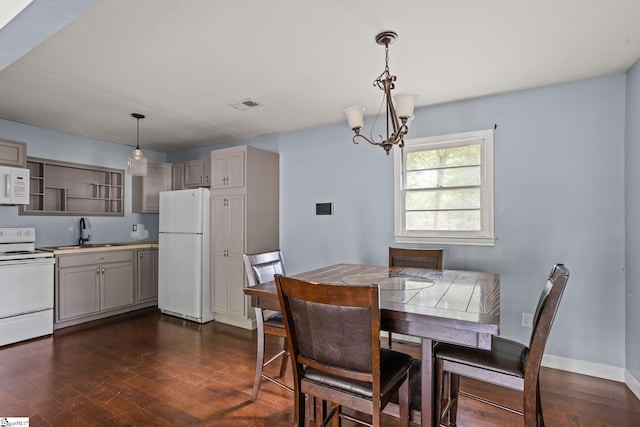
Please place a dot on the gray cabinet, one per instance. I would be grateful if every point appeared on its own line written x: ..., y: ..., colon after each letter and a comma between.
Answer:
x: 78, y: 292
x: 244, y: 219
x: 196, y: 173
x: 227, y: 168
x: 94, y: 285
x: 227, y: 249
x: 177, y: 176
x: 146, y: 274
x: 65, y: 188
x: 146, y: 189
x: 13, y: 153
x: 93, y: 282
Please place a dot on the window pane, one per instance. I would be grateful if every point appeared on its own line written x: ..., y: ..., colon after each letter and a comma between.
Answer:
x: 442, y: 221
x: 448, y: 199
x: 455, y: 156
x: 457, y: 177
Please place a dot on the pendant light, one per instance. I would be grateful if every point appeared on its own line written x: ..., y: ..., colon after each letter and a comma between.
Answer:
x: 137, y: 165
x: 398, y: 114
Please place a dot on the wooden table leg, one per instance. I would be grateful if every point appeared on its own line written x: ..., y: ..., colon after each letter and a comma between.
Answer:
x: 426, y: 367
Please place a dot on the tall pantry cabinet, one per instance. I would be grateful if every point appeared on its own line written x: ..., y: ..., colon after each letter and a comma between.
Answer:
x: 244, y: 219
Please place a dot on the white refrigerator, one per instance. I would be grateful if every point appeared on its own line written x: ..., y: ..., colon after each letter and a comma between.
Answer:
x: 184, y: 285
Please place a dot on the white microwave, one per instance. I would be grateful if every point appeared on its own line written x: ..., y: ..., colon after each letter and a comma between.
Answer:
x: 14, y: 186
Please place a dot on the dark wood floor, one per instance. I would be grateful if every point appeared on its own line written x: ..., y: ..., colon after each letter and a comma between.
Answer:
x: 155, y: 370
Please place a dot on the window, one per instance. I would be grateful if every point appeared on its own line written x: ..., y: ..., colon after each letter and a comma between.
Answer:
x: 444, y: 189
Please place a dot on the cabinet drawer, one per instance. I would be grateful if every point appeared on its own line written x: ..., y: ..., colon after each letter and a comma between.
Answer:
x: 94, y: 258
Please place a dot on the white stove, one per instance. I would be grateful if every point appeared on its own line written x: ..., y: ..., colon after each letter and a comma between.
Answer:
x: 26, y: 286
x: 19, y: 243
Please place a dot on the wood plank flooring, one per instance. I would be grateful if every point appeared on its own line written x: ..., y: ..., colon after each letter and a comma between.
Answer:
x: 156, y: 370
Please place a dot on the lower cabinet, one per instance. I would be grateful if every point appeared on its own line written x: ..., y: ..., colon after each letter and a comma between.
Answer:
x: 94, y: 285
x: 147, y: 275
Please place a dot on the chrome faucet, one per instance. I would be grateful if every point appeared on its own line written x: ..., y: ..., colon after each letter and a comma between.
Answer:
x: 82, y: 240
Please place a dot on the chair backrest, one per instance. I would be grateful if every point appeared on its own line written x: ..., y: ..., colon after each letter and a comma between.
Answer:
x: 543, y: 319
x: 417, y: 258
x: 332, y: 328
x: 261, y: 267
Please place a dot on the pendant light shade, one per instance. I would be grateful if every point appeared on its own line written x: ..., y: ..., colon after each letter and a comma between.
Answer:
x: 137, y: 165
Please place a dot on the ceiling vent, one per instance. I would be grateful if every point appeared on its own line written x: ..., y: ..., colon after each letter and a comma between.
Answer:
x: 245, y: 104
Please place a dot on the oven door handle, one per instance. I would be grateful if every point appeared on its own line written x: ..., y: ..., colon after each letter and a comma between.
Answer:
x: 27, y: 261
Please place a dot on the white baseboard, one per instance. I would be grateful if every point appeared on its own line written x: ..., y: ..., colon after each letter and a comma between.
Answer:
x: 632, y: 383
x: 591, y: 369
x: 582, y: 367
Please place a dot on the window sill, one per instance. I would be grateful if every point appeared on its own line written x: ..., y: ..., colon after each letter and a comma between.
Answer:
x: 484, y: 241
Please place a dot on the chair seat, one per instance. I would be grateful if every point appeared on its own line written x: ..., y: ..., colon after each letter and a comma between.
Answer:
x: 275, y: 320
x: 506, y: 356
x: 393, y: 366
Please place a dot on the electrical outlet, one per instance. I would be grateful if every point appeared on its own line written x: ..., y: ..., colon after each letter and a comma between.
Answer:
x: 135, y: 227
x: 527, y: 320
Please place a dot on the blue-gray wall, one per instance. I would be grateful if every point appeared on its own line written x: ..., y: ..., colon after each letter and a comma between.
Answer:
x: 632, y: 223
x: 62, y: 230
x: 559, y: 194
x: 559, y: 197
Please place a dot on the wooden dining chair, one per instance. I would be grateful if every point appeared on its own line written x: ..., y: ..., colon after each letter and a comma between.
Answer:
x: 333, y: 333
x: 416, y: 258
x: 261, y: 268
x: 508, y: 363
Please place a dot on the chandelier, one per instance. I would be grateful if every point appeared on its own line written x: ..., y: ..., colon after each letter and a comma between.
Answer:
x: 137, y: 165
x: 397, y: 115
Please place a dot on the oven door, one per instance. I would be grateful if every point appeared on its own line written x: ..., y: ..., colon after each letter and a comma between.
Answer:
x: 26, y: 286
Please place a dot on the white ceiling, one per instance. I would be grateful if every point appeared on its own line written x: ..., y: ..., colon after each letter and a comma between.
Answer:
x: 181, y: 62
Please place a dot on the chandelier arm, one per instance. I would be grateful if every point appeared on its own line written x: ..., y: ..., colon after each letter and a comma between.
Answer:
x: 370, y: 141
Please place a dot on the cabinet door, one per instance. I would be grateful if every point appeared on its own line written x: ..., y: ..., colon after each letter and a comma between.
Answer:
x: 228, y: 246
x: 78, y: 291
x: 13, y: 153
x: 193, y: 173
x: 207, y: 172
x: 220, y: 273
x: 218, y: 170
x: 235, y: 225
x: 158, y: 179
x: 236, y: 280
x: 235, y: 169
x: 146, y: 189
x: 117, y: 285
x: 177, y: 176
x: 147, y: 275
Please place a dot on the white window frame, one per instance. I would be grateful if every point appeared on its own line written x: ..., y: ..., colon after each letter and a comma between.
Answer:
x: 486, y: 235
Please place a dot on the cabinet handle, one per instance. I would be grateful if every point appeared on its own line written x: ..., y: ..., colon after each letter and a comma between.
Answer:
x: 102, y: 271
x: 98, y: 271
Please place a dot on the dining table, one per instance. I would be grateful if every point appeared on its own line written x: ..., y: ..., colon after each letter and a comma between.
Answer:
x: 454, y: 306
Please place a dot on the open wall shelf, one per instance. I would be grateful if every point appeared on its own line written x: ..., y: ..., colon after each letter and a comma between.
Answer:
x: 64, y: 188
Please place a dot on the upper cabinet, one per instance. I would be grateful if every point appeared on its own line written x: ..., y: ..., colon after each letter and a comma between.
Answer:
x: 13, y: 153
x: 145, y: 197
x: 227, y: 168
x: 65, y: 188
x: 196, y: 173
x: 177, y: 176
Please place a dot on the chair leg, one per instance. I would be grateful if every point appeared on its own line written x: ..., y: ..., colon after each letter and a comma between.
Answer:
x: 285, y: 358
x: 439, y: 391
x: 454, y: 387
x: 260, y: 353
x: 403, y: 402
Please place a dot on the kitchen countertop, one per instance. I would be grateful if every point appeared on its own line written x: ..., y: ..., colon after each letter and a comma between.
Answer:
x: 99, y: 247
